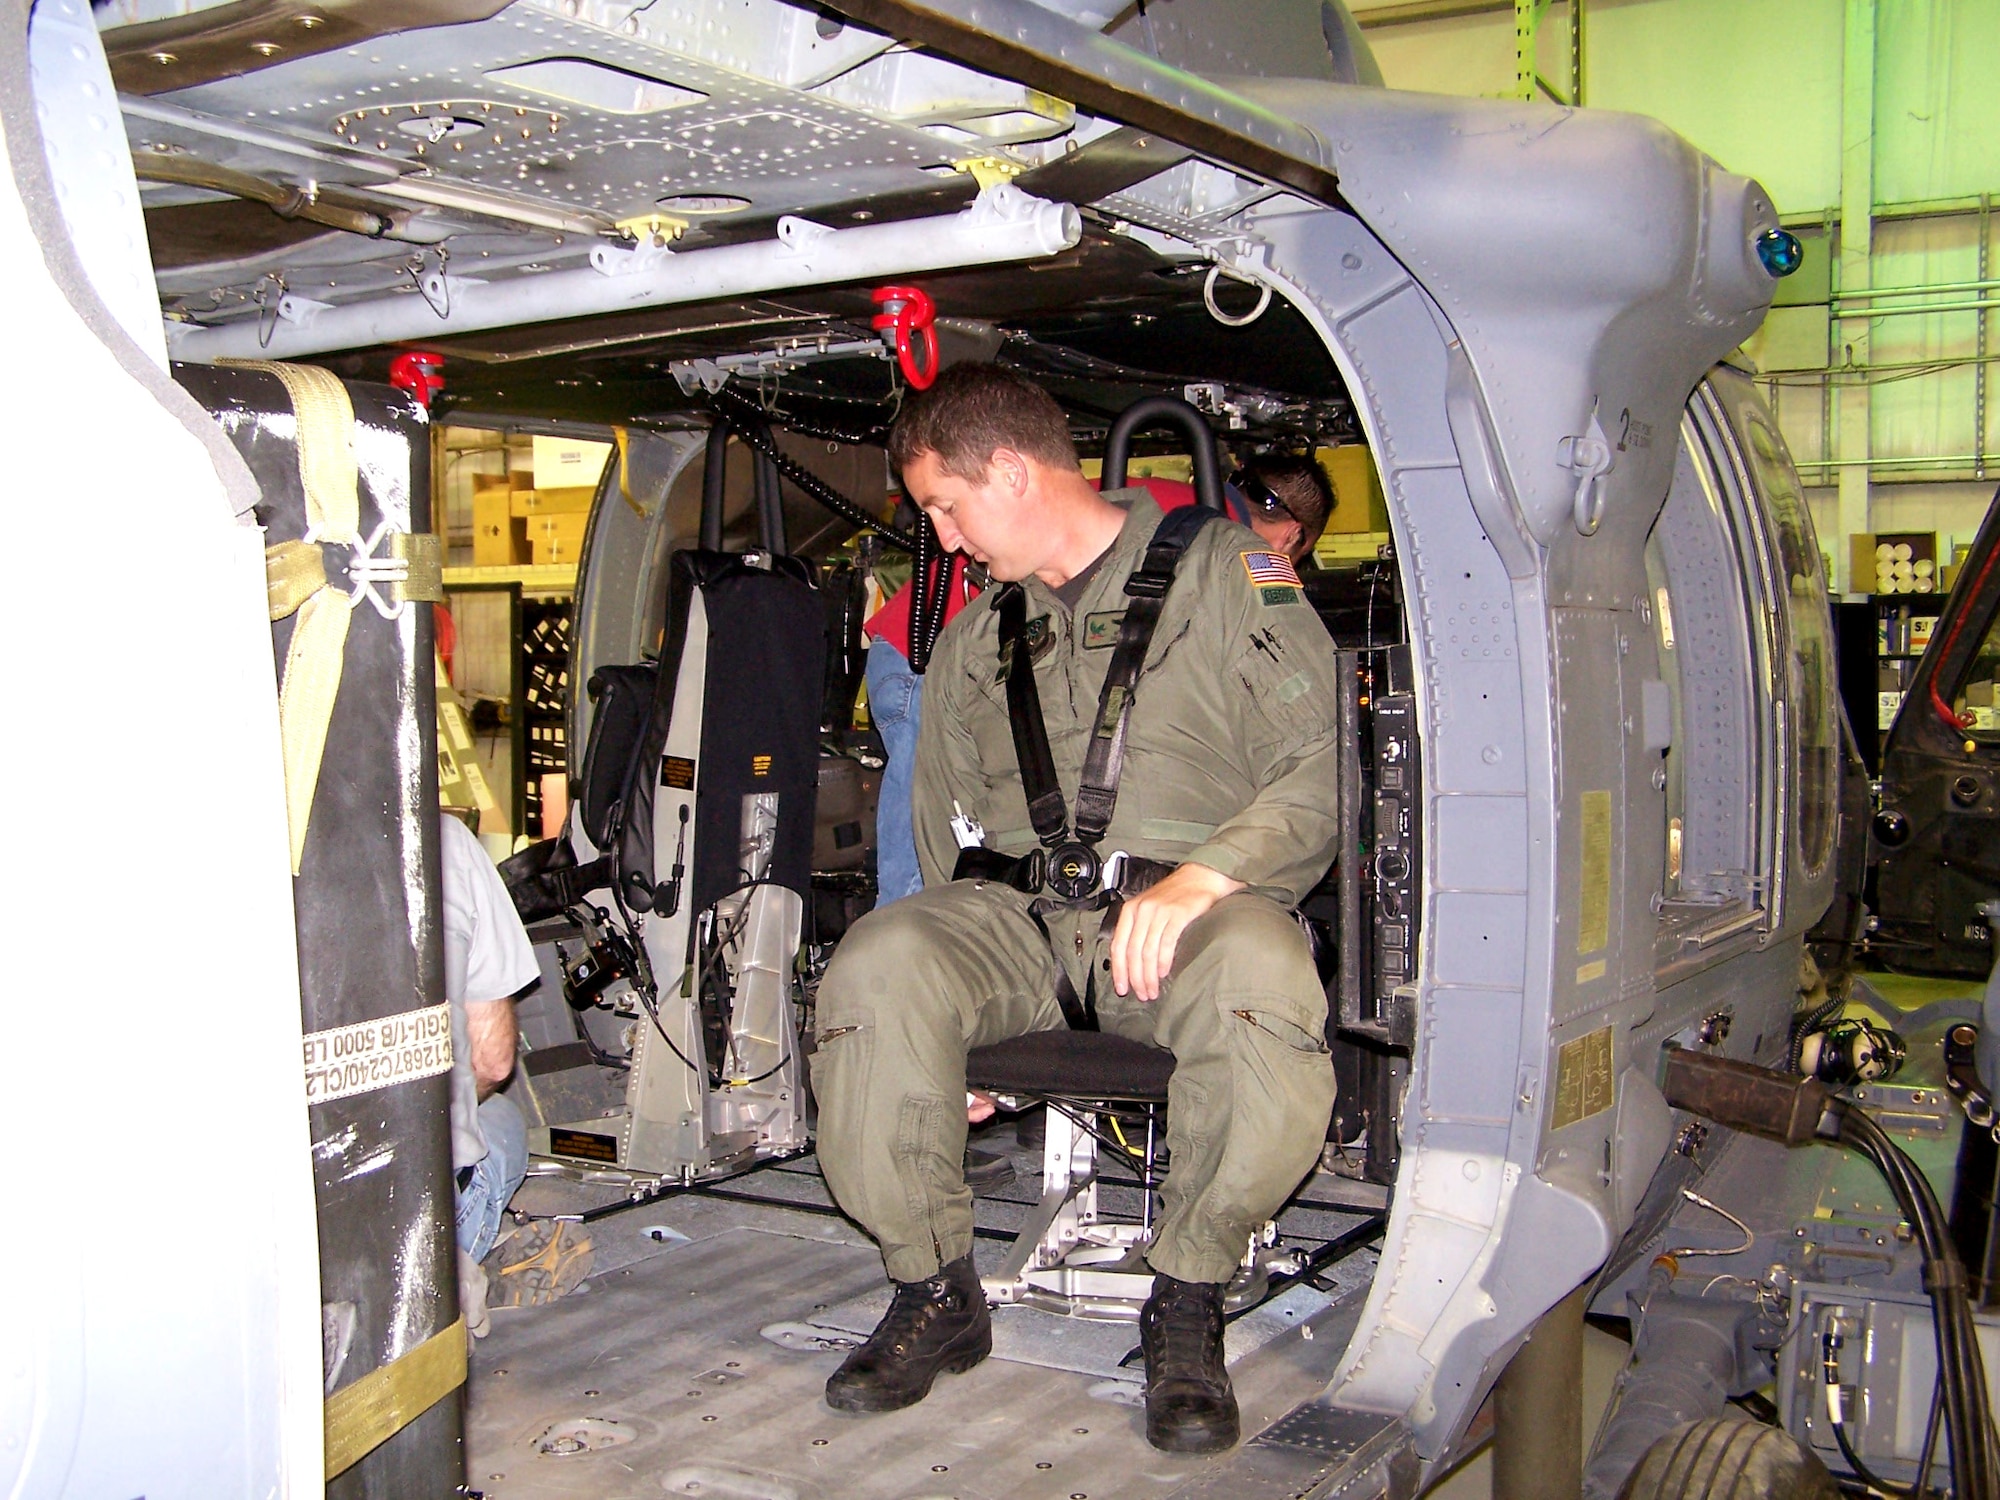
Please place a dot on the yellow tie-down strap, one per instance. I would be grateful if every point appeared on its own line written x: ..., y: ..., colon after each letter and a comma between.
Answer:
x: 295, y: 574
x: 363, y: 1416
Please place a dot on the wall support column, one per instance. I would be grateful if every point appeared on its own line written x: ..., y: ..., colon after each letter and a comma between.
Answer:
x: 1538, y: 1409
x: 1852, y: 414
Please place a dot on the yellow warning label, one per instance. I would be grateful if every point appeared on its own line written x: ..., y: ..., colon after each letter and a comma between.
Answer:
x: 1585, y: 1084
x: 1594, y: 893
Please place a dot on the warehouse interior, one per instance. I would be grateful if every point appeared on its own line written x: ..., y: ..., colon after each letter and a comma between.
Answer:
x: 1686, y: 984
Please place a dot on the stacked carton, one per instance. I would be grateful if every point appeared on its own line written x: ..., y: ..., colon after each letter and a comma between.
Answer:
x: 517, y: 520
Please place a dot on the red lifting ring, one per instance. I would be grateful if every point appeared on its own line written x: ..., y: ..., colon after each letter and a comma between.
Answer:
x: 911, y: 315
x: 419, y: 372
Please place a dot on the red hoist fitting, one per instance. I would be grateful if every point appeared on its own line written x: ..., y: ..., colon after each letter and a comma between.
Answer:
x: 908, y: 317
x: 419, y: 372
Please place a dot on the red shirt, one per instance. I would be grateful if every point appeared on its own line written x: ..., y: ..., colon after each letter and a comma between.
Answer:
x: 891, y: 622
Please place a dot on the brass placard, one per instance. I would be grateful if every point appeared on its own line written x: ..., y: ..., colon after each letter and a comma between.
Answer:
x: 363, y: 1416
x: 1593, y: 932
x: 1585, y: 1084
x: 585, y: 1144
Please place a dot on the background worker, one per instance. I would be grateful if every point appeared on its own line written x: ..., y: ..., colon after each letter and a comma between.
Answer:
x: 1289, y: 500
x: 487, y: 962
x: 1228, y: 804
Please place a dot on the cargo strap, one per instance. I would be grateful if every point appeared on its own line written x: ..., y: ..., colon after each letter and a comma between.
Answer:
x: 296, y: 574
x: 362, y: 1416
x: 1069, y: 866
x: 297, y: 583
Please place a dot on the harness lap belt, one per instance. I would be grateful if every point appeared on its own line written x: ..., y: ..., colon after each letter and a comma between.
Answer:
x: 1070, y: 867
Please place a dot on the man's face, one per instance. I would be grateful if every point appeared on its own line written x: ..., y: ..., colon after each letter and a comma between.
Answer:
x: 979, y: 518
x: 1283, y: 532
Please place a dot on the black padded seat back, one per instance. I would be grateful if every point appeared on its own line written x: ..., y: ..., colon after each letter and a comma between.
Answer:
x: 1068, y: 1064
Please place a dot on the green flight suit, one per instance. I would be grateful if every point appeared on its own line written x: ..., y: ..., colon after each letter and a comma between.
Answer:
x: 1230, y: 762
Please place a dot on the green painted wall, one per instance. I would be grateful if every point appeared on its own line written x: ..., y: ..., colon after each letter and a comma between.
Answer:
x: 1756, y: 84
x: 1937, y: 99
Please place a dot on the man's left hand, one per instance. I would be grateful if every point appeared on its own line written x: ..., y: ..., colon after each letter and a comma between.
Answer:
x: 1151, y: 923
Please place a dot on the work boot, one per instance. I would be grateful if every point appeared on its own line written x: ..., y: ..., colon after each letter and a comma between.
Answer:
x: 1189, y: 1405
x: 988, y: 1171
x: 931, y: 1326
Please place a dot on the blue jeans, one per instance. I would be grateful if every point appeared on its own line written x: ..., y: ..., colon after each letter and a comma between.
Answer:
x: 482, y: 1200
x: 895, y: 703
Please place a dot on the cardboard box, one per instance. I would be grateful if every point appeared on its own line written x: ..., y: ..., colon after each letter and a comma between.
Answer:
x: 1861, y: 562
x: 1897, y: 562
x: 554, y: 502
x: 569, y: 463
x: 557, y: 538
x: 499, y: 539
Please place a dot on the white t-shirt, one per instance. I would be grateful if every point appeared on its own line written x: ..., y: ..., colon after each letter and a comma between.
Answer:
x: 487, y: 956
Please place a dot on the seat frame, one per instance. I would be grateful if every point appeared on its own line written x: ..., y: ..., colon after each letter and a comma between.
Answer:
x: 1068, y: 1258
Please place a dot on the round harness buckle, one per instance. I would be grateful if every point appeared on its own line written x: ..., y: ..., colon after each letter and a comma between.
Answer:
x: 1074, y: 870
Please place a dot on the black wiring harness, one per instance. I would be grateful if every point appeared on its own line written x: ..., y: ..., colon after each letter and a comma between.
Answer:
x: 747, y: 420
x: 1968, y: 1426
x: 1793, y: 1110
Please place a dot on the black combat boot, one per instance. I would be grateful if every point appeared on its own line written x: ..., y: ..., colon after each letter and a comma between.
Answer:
x: 931, y: 1326
x: 1189, y: 1405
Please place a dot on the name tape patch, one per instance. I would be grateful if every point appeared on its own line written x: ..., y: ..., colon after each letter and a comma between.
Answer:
x: 369, y: 1055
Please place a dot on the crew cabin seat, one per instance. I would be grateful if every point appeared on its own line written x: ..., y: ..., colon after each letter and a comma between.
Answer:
x: 1068, y: 1258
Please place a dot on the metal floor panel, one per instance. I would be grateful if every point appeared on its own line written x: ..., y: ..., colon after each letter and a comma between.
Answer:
x: 656, y: 1382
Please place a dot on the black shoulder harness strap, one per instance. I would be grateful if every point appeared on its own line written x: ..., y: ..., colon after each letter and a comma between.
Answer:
x: 1024, y: 712
x: 1104, y: 761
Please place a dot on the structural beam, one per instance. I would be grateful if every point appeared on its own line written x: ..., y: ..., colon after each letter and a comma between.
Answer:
x: 1852, y: 405
x: 1021, y: 40
x: 1529, y: 80
x: 1002, y: 224
x: 1412, y: 12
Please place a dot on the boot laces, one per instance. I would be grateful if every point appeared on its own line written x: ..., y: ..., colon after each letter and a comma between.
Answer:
x: 1187, y: 1332
x: 911, y: 1312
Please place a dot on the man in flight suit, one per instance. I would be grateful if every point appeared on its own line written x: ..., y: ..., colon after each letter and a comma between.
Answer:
x: 1228, y: 781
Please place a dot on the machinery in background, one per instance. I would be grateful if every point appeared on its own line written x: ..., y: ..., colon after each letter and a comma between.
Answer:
x: 1937, y: 821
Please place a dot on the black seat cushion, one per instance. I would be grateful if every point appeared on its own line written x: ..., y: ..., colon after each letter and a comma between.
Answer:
x: 1072, y: 1065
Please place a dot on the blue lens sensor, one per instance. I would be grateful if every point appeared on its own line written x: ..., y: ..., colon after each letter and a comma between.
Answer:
x: 1780, y: 251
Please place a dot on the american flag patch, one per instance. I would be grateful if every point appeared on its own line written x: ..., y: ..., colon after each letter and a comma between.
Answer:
x: 1269, y: 569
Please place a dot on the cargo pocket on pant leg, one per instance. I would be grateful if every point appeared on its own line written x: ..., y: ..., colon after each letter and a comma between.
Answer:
x: 925, y: 1169
x: 837, y: 1069
x: 1286, y: 1030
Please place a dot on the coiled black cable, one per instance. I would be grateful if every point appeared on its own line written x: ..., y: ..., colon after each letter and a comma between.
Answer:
x: 746, y: 419
x: 930, y: 589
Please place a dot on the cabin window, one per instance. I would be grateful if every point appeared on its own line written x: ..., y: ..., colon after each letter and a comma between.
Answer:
x: 1705, y: 644
x: 1800, y: 586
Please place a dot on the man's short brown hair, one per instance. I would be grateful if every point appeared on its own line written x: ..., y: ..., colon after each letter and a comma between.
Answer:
x: 974, y: 409
x: 1301, y: 486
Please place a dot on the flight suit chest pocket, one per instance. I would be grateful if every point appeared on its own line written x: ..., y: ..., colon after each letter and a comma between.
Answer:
x: 991, y: 729
x: 1283, y: 691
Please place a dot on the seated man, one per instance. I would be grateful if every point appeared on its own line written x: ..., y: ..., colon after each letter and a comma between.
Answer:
x: 487, y: 962
x: 1290, y: 500
x: 1227, y: 808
